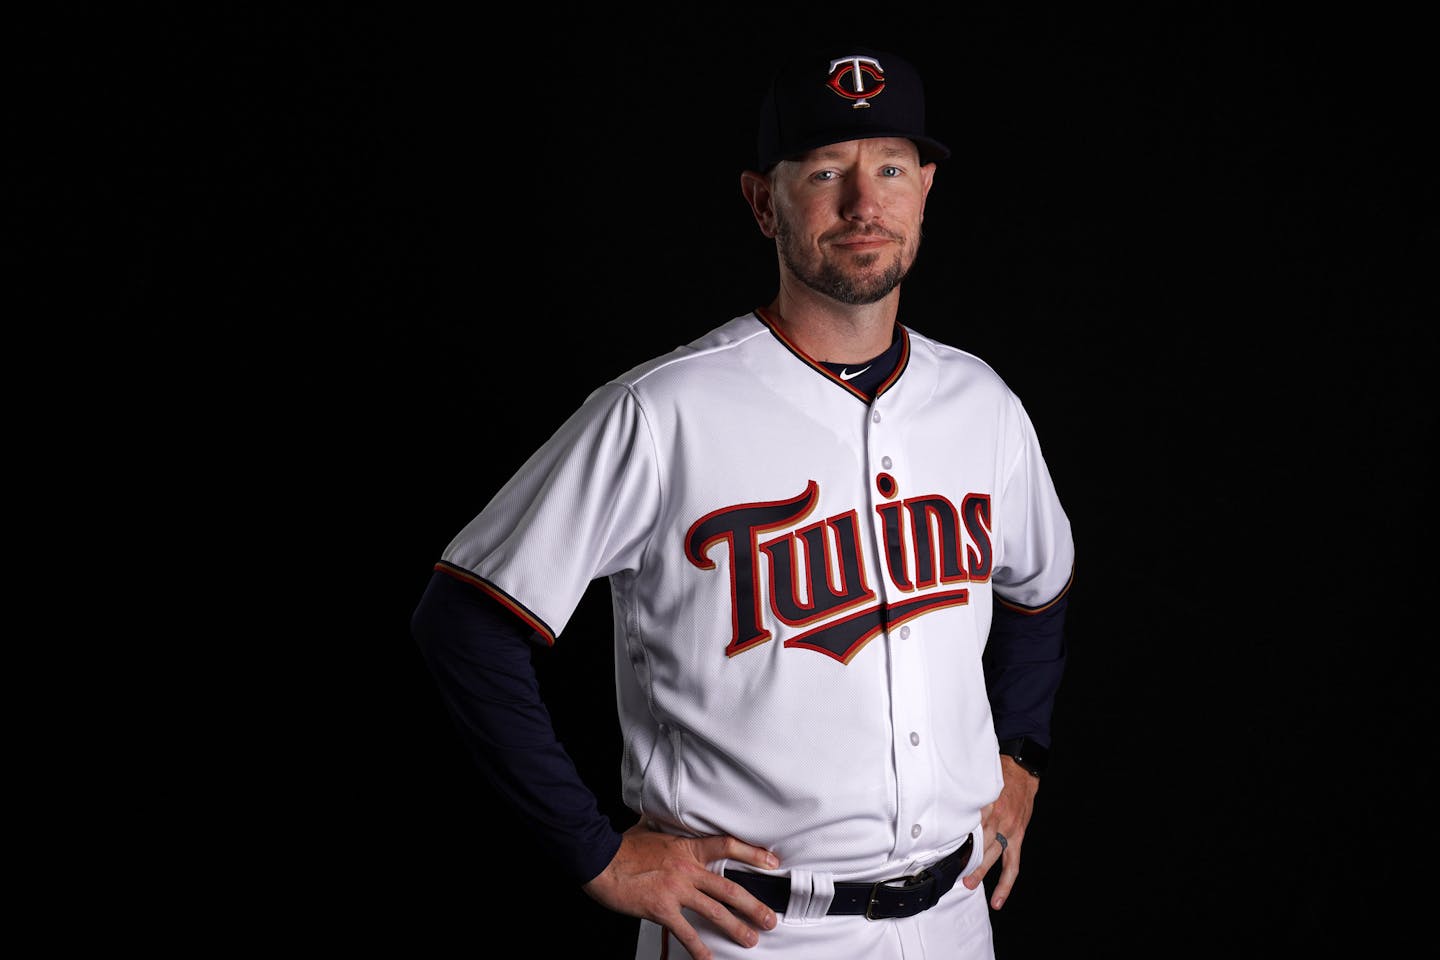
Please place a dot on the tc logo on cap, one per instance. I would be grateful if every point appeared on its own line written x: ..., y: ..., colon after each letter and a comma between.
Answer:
x: 856, y: 69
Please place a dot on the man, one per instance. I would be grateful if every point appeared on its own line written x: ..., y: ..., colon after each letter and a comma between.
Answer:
x: 839, y: 572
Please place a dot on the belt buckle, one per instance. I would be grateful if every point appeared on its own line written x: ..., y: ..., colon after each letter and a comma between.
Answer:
x: 913, y: 881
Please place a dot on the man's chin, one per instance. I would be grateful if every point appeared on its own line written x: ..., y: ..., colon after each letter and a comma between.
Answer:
x: 867, y: 289
x: 858, y: 281
x: 860, y: 296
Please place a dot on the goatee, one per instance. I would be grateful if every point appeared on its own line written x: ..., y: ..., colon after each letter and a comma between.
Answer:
x: 832, y: 280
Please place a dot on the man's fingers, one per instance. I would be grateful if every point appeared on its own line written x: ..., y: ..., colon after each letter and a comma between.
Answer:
x: 1010, y: 870
x: 721, y: 918
x: 668, y: 880
x: 1007, y: 852
x: 993, y: 851
x: 710, y: 849
x: 715, y: 902
x: 736, y: 899
x: 698, y: 902
x: 688, y: 938
x: 974, y: 878
x: 725, y: 903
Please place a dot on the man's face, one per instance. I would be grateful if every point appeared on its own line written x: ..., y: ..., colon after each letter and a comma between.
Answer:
x: 847, y: 216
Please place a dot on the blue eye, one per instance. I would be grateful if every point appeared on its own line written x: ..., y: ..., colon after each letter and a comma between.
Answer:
x: 891, y: 171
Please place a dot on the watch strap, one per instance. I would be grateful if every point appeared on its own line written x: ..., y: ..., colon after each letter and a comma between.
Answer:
x: 1027, y: 753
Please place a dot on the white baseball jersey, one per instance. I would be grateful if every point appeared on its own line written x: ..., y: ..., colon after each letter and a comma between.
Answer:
x: 801, y: 584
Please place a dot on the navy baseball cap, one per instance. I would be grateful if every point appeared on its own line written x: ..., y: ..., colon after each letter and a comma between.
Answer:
x: 847, y: 93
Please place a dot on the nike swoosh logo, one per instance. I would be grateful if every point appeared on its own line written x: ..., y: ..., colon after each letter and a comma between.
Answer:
x: 847, y: 375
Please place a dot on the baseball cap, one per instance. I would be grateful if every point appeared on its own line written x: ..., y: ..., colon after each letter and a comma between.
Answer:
x: 845, y: 93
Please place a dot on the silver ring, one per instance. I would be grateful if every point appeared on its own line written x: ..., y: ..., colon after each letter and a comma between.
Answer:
x: 1000, y: 839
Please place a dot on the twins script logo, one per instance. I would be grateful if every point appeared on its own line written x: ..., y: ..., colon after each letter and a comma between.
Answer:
x: 815, y: 573
x: 857, y: 68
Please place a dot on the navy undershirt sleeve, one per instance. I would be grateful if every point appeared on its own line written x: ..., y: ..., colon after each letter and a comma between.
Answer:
x: 479, y: 654
x: 1024, y: 660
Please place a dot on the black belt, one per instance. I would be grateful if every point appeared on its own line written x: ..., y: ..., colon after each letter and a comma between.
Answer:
x: 881, y: 900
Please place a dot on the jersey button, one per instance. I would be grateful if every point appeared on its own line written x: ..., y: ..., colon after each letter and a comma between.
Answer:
x: 886, y: 462
x: 914, y: 739
x: 915, y: 830
x: 904, y: 633
x: 874, y: 416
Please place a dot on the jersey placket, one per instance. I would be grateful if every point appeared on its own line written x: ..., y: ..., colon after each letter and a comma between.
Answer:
x: 910, y: 724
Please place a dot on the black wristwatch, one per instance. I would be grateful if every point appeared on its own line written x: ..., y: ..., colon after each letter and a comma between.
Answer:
x: 1027, y: 753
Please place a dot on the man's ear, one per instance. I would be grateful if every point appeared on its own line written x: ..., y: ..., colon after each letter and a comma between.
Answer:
x: 756, y: 188
x: 927, y: 177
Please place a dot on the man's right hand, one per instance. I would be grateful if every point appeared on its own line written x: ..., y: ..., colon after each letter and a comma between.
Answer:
x: 654, y: 875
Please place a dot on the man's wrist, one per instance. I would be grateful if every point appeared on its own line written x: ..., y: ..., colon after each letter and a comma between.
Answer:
x: 1026, y: 752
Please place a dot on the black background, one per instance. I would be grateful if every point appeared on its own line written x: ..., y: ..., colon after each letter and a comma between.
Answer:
x: 387, y: 249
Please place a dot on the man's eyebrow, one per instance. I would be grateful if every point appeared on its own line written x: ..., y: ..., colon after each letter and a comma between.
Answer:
x: 832, y: 152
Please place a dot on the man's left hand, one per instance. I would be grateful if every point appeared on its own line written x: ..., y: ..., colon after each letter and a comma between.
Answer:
x: 1007, y: 817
